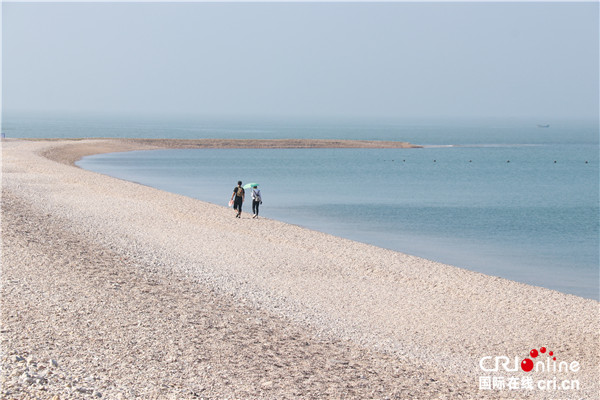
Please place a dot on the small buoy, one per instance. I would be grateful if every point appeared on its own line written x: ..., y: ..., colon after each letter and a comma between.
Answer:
x: 470, y: 161
x: 554, y: 161
x: 586, y: 162
x: 434, y: 160
x: 507, y: 161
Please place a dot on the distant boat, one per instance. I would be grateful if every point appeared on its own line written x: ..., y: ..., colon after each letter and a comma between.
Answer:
x: 543, y: 126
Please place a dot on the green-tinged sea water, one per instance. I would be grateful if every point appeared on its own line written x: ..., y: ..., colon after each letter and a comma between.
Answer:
x: 506, y: 198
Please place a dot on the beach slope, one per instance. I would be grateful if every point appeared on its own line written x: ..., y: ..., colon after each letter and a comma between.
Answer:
x: 118, y: 290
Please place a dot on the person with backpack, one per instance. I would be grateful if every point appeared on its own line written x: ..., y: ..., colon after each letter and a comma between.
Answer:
x: 256, y: 200
x: 239, y: 195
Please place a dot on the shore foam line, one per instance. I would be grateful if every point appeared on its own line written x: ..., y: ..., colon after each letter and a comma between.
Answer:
x: 434, y: 315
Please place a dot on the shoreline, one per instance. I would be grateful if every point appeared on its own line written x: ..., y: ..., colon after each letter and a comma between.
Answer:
x: 123, y: 145
x: 428, y: 321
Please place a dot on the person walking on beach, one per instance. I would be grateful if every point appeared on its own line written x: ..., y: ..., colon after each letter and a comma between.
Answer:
x: 239, y: 194
x: 256, y: 200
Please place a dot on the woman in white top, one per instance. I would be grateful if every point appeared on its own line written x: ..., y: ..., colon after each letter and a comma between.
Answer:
x: 256, y: 200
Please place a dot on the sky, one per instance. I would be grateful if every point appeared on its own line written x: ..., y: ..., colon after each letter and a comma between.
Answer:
x: 393, y: 60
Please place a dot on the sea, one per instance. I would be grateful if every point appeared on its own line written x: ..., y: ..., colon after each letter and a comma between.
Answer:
x: 514, y: 198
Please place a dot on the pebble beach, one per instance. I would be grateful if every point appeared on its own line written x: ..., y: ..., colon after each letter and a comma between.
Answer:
x: 115, y: 290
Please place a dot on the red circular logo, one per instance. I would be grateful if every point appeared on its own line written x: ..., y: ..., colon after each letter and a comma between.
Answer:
x: 527, y: 365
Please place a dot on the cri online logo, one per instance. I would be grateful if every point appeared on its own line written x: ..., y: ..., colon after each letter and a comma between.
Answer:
x: 527, y: 364
x: 492, y: 364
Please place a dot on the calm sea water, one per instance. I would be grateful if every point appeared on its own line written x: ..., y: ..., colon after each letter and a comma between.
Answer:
x: 507, y: 199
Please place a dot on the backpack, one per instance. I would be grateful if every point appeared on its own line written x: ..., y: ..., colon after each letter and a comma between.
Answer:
x: 239, y: 191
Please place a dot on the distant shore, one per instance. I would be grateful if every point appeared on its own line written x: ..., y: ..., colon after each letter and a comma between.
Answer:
x: 115, y: 289
x: 76, y: 148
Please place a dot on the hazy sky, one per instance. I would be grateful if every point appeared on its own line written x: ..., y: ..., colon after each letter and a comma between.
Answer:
x: 315, y: 59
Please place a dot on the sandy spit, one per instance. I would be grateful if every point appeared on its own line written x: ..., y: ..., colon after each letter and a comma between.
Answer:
x: 77, y: 148
x: 111, y: 289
